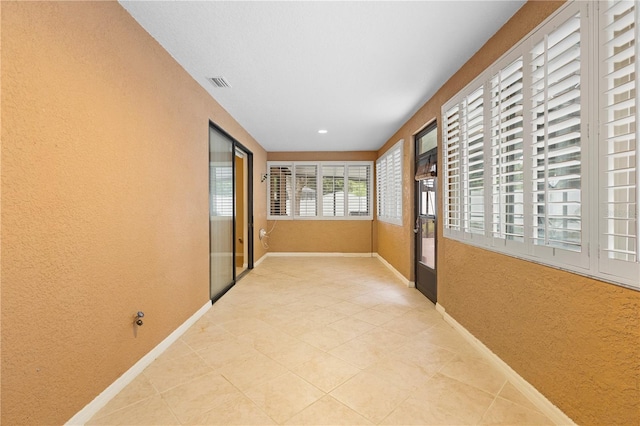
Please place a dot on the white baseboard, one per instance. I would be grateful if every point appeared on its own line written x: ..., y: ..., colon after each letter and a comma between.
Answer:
x: 539, y: 400
x: 401, y: 277
x: 259, y: 261
x: 114, y: 388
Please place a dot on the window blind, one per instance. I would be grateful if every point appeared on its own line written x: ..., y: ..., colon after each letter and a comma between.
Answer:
x: 473, y: 161
x: 389, y: 183
x: 333, y: 204
x: 556, y: 165
x: 506, y: 134
x: 306, y: 203
x: 619, y: 187
x: 452, y: 169
x: 560, y: 146
x: 316, y: 190
x: 358, y: 200
x: 280, y: 195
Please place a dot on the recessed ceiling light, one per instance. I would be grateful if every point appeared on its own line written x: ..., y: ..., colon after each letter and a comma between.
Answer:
x: 322, y: 131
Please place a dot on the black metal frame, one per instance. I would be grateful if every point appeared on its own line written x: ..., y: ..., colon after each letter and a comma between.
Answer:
x: 250, y: 226
x: 429, y: 155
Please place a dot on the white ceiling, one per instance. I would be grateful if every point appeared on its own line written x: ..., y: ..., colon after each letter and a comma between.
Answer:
x: 357, y: 69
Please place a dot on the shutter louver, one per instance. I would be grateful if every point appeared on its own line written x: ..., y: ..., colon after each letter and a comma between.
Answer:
x: 280, y: 190
x: 333, y: 204
x: 396, y: 191
x: 358, y: 200
x: 306, y: 191
x: 619, y: 186
x: 389, y: 183
x: 452, y: 169
x: 506, y: 134
x: 556, y: 163
x: 473, y: 161
x: 381, y: 179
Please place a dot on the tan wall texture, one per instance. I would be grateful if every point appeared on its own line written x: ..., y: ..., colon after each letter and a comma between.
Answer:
x: 105, y: 201
x: 576, y: 339
x: 322, y: 236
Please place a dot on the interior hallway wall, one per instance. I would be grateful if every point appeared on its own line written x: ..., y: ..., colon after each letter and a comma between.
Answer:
x: 105, y: 201
x: 576, y: 339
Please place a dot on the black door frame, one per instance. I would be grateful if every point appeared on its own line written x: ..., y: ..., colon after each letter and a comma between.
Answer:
x: 429, y: 156
x: 236, y: 145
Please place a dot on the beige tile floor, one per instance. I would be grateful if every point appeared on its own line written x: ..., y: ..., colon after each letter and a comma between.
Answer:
x: 320, y: 341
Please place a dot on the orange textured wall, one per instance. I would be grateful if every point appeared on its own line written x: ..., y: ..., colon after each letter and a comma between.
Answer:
x: 105, y: 201
x: 322, y: 236
x: 576, y: 339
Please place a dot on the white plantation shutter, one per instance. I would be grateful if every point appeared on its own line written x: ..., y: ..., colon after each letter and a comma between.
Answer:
x: 389, y: 183
x: 561, y: 183
x: 381, y: 185
x: 557, y: 140
x: 358, y: 190
x: 473, y: 162
x: 333, y: 204
x: 506, y: 134
x: 280, y: 190
x: 452, y: 170
x: 464, y: 157
x: 316, y: 190
x: 396, y: 182
x: 619, y: 187
x: 306, y: 194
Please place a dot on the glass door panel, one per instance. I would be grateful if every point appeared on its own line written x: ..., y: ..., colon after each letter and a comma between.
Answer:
x: 427, y: 224
x: 221, y: 212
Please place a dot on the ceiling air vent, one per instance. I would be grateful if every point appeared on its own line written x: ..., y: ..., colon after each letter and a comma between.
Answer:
x: 219, y: 82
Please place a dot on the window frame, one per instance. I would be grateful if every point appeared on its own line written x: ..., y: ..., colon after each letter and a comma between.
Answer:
x: 319, y: 197
x: 389, y: 195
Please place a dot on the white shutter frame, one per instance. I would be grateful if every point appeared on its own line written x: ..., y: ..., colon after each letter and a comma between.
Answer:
x: 270, y: 215
x: 473, y: 105
x: 452, y: 190
x: 293, y: 165
x: 620, y: 270
x: 389, y: 178
x: 554, y: 254
x: 606, y: 164
x: 508, y: 65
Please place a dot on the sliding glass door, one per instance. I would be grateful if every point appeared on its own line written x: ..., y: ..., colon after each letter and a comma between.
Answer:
x: 221, y: 212
x: 230, y: 211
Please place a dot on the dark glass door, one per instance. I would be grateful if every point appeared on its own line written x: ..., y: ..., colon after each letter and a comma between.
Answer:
x: 426, y: 212
x: 230, y: 211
